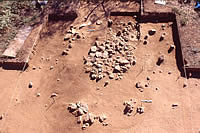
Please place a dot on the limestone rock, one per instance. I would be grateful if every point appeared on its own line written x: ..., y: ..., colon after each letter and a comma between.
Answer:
x: 117, y: 68
x: 102, y: 118
x: 79, y: 120
x: 140, y: 110
x: 64, y: 52
x: 53, y: 95
x: 99, y: 22
x: 171, y: 48
x: 30, y: 85
x: 106, y: 83
x: 67, y: 37
x: 111, y: 76
x: 110, y: 22
x: 160, y: 60
x: 145, y: 42
x: 51, y: 67
x: 152, y: 32
x: 185, y: 84
x: 72, y: 107
x: 93, y: 49
x: 162, y: 37
x: 38, y: 94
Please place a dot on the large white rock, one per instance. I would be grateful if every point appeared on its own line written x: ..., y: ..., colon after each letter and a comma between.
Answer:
x: 93, y: 49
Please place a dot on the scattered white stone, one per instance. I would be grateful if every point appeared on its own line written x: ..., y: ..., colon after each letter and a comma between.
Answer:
x: 34, y: 67
x: 106, y: 83
x: 140, y: 110
x: 152, y: 32
x: 129, y: 106
x: 174, y: 105
x: 111, y: 76
x: 148, y: 78
x: 99, y: 22
x: 72, y: 107
x: 146, y: 37
x: 160, y: 60
x: 67, y: 37
x: 47, y: 59
x: 102, y: 118
x: 93, y: 49
x: 1, y: 117
x: 53, y: 95
x: 64, y: 52
x: 51, y: 67
x: 69, y: 45
x: 163, y: 26
x: 117, y: 68
x: 110, y: 23
x: 80, y: 112
x: 172, y: 47
x: 105, y: 123
x: 145, y: 42
x: 30, y: 85
x: 170, y: 72
x: 38, y: 94
x: 162, y: 37
x: 139, y: 85
x: 80, y: 119
x: 185, y: 84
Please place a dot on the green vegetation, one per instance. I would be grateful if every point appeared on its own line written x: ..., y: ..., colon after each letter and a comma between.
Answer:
x: 13, y: 15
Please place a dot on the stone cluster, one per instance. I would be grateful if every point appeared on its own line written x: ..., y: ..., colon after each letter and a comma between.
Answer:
x: 130, y: 106
x: 111, y: 57
x: 81, y: 111
x: 71, y: 35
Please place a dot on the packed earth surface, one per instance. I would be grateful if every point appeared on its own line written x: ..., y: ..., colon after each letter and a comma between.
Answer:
x: 106, y: 74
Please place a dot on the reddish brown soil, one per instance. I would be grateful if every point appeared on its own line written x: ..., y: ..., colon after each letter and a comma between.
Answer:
x: 26, y: 113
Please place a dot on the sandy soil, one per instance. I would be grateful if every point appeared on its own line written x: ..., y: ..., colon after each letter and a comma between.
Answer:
x: 25, y: 112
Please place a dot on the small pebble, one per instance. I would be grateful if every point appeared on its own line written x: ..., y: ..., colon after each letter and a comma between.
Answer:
x: 33, y: 67
x: 38, y: 94
x: 30, y: 85
x: 1, y: 117
x: 174, y: 105
x: 54, y: 95
x: 106, y: 83
x: 185, y: 84
x: 51, y: 67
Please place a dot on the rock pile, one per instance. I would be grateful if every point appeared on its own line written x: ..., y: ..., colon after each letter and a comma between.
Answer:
x: 140, y: 110
x: 111, y: 57
x: 81, y: 111
x: 129, y: 106
x: 71, y: 35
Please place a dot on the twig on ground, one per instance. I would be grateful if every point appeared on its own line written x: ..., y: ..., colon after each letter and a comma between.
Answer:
x: 94, y: 9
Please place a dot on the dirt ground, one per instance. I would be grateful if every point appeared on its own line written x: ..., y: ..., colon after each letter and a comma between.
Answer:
x: 24, y: 112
